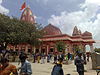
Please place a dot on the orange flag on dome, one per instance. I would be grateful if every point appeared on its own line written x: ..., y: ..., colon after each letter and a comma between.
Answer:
x: 23, y: 6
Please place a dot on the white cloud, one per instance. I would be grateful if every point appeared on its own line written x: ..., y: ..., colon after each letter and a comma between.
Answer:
x: 35, y: 17
x: 87, y: 19
x: 0, y: 1
x: 93, y: 1
x: 3, y: 10
x: 44, y: 1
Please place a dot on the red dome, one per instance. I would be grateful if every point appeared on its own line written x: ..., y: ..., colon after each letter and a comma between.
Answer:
x: 27, y: 15
x: 52, y: 30
x: 86, y: 33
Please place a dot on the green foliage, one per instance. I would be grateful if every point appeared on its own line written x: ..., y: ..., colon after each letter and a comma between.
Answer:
x: 97, y: 50
x: 14, y: 31
x: 60, y: 46
x: 76, y: 48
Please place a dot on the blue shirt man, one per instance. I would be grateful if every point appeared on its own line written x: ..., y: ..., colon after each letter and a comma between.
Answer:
x: 25, y: 66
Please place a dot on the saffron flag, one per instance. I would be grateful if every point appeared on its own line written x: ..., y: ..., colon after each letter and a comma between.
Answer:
x: 23, y: 6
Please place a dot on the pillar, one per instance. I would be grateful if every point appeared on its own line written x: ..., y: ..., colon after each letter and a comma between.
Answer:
x: 93, y: 57
x: 84, y: 48
x: 19, y: 48
x: 14, y: 48
x: 47, y: 49
x: 91, y: 48
x: 26, y: 48
x: 70, y: 48
x: 34, y: 49
x: 40, y: 49
x: 66, y: 50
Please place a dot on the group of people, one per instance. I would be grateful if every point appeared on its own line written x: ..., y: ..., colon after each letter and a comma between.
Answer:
x: 79, y: 61
x: 42, y: 57
x: 25, y: 69
x: 8, y: 69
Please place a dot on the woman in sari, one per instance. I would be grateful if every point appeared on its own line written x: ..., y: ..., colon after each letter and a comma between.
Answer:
x: 6, y: 68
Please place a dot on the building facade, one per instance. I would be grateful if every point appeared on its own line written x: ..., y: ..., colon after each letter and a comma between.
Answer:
x: 54, y: 35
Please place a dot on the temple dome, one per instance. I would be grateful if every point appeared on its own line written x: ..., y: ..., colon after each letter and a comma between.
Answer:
x: 27, y: 15
x: 86, y: 33
x: 51, y: 30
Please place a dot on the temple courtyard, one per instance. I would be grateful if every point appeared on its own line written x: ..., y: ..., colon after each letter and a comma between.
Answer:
x: 45, y: 69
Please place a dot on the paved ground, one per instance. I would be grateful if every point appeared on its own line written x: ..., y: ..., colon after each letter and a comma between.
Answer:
x: 45, y: 69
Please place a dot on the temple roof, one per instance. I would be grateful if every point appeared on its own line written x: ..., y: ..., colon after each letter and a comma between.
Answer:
x: 86, y: 33
x: 66, y: 37
x: 51, y: 30
x: 27, y: 15
x: 54, y: 34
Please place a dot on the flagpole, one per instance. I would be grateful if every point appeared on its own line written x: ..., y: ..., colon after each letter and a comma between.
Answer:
x: 26, y: 3
x: 19, y: 6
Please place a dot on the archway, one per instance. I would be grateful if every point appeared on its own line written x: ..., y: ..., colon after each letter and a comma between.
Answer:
x: 37, y: 51
x: 43, y: 51
x: 87, y: 48
x: 51, y: 50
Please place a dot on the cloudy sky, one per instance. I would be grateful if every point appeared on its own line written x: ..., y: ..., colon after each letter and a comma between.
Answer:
x: 65, y: 14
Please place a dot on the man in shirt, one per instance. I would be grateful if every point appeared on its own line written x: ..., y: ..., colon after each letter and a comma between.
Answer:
x: 79, y: 62
x: 25, y: 68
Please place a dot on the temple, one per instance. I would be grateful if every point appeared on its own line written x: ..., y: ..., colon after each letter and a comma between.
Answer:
x: 52, y: 35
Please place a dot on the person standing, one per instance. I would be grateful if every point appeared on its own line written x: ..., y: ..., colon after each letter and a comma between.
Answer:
x: 6, y: 68
x: 84, y: 58
x: 48, y: 58
x: 55, y: 58
x: 38, y: 57
x: 79, y: 62
x: 25, y: 68
x: 57, y: 69
x: 42, y: 58
x: 88, y: 55
x: 34, y: 57
x: 69, y: 55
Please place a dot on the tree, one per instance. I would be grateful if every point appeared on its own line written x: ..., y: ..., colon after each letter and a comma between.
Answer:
x: 14, y: 31
x: 97, y: 50
x: 61, y: 46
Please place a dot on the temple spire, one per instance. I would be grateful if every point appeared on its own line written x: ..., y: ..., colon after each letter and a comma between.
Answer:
x: 75, y: 31
x: 79, y: 32
x: 27, y: 15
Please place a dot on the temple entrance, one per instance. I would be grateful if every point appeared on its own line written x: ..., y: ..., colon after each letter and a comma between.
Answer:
x: 29, y: 50
x: 43, y: 51
x: 23, y: 50
x: 16, y: 50
x: 37, y: 51
x: 51, y: 49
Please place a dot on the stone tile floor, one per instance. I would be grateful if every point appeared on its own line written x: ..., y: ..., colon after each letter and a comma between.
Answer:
x: 45, y: 69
